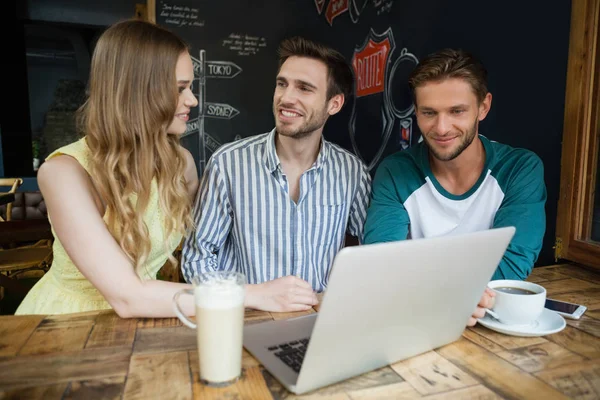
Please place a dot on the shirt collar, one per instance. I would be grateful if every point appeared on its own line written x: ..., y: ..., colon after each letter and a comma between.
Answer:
x: 272, y: 160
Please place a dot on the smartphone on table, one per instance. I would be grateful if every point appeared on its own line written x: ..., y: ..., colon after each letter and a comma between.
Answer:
x: 566, y: 309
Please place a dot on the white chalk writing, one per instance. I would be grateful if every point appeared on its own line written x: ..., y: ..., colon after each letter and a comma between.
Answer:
x: 243, y: 44
x: 180, y: 16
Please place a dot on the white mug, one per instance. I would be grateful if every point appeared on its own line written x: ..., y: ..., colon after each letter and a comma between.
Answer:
x: 517, y: 302
x: 219, y: 298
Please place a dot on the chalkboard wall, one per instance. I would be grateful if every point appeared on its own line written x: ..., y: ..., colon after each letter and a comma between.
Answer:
x: 524, y: 46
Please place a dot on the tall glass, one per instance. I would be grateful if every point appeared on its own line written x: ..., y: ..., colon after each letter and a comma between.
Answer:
x: 219, y: 298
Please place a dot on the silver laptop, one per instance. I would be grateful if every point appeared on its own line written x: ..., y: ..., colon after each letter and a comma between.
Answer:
x: 384, y: 303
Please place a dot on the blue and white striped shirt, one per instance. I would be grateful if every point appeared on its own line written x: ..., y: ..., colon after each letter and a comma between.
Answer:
x: 247, y: 222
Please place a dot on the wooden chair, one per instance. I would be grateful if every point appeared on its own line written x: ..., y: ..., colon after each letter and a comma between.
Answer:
x: 30, y: 261
x: 14, y: 184
x: 25, y: 246
x: 23, y: 262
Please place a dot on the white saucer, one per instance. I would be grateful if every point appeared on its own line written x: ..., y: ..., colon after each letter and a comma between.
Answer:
x: 549, y: 322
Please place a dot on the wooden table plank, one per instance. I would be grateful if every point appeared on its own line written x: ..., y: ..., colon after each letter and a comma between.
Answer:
x: 55, y: 336
x: 577, y: 341
x: 59, y: 320
x: 554, y: 288
x: 578, y: 381
x: 107, y: 388
x: 395, y: 391
x: 589, y: 298
x: 160, y: 376
x: 472, y: 335
x: 379, y: 377
x: 586, y: 324
x: 251, y: 385
x: 15, y: 331
x: 542, y: 275
x: 430, y: 373
x: 578, y: 272
x: 40, y: 370
x: 497, y: 374
x: 110, y: 330
x: 539, y: 357
x: 506, y: 341
x: 593, y: 314
x: 165, y: 340
x: 158, y: 322
x: 43, y: 392
x: 478, y: 392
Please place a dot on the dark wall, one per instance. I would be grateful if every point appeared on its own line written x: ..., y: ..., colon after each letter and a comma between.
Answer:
x: 24, y: 105
x: 14, y: 111
x: 98, y: 13
x: 525, y: 54
x: 44, y: 71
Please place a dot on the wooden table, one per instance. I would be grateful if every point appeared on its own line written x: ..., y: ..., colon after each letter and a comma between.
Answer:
x: 99, y: 355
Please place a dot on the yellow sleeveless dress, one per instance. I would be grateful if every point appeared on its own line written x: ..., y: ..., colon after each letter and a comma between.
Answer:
x: 63, y: 289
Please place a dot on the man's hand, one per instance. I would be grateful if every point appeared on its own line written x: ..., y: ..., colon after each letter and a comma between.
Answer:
x: 487, y: 301
x: 286, y: 294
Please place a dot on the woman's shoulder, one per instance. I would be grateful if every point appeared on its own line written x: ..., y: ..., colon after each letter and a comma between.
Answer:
x: 77, y: 150
x: 61, y: 166
x: 63, y: 176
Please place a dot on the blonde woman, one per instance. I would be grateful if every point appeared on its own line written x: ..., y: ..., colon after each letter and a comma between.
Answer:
x: 119, y: 199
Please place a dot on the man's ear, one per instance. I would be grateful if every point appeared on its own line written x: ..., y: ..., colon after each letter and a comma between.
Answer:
x: 484, y: 107
x: 334, y: 105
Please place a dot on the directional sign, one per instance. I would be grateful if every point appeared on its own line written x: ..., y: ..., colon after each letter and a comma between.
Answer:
x: 217, y: 69
x: 220, y: 110
x: 211, y: 143
x: 222, y: 69
x: 209, y: 69
x: 192, y: 127
x: 196, y: 64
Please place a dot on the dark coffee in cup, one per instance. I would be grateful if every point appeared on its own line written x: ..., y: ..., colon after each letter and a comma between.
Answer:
x: 517, y: 302
x: 513, y: 290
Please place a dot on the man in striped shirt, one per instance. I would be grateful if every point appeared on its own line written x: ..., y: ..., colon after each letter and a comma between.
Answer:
x: 277, y: 206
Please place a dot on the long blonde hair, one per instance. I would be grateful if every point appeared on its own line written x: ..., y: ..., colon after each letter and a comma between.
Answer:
x: 132, y: 100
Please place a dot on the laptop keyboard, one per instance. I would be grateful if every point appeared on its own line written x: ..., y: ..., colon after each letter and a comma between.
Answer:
x: 291, y: 353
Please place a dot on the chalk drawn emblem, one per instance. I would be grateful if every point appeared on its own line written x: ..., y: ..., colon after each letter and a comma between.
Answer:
x: 374, y: 112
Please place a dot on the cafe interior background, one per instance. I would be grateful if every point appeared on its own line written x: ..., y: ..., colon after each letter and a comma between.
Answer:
x: 542, y: 73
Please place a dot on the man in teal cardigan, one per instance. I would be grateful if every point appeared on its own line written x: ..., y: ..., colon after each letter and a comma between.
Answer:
x: 457, y: 180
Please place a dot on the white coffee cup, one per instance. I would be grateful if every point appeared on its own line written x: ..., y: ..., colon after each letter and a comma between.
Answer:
x: 219, y: 298
x: 517, y: 302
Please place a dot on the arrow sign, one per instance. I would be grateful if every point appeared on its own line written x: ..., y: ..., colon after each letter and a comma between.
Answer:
x: 211, y: 143
x: 217, y: 69
x: 220, y: 110
x: 196, y: 64
x: 222, y: 69
x: 191, y: 127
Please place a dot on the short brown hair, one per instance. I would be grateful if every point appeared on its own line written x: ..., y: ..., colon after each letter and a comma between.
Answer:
x: 447, y: 64
x: 340, y: 77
